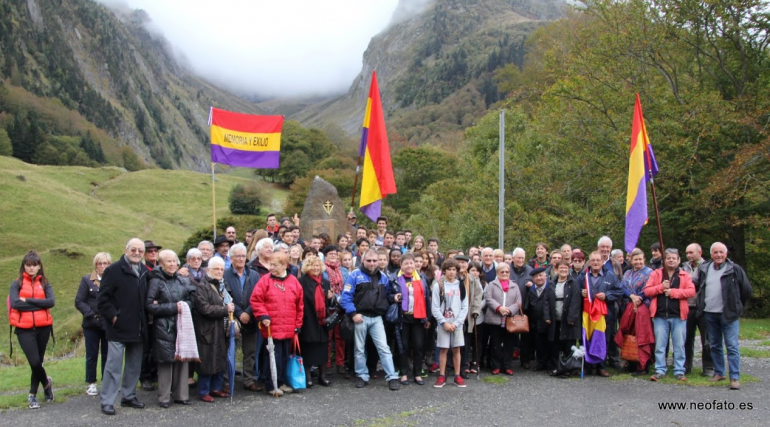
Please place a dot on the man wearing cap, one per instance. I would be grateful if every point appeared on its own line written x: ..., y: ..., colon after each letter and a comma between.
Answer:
x: 151, y: 254
x: 542, y: 306
x: 222, y: 248
x: 149, y: 368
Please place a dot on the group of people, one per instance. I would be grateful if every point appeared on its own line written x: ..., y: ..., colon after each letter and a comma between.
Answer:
x: 378, y: 297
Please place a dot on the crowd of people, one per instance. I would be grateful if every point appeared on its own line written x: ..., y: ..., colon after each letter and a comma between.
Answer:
x: 375, y: 299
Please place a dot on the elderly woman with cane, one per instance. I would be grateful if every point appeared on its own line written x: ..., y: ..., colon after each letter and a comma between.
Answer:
x: 210, y: 311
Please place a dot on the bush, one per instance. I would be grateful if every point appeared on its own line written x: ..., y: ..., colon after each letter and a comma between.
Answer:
x: 246, y: 200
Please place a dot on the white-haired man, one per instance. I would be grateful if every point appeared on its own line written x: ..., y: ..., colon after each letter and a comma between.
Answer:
x: 723, y: 291
x: 521, y: 274
x: 241, y: 281
x: 121, y: 303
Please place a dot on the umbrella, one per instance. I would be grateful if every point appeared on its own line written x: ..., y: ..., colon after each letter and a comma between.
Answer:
x: 230, y: 348
x: 271, y: 351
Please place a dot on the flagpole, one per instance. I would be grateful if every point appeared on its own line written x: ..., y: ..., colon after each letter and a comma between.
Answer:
x: 355, y: 185
x: 214, y: 200
x: 655, y: 204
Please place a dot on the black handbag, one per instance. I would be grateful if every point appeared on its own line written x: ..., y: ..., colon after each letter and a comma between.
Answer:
x: 347, y: 328
x: 334, y: 319
x: 393, y: 314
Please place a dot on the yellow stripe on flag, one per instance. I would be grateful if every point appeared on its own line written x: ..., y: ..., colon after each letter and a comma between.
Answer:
x: 370, y: 188
x: 245, y: 141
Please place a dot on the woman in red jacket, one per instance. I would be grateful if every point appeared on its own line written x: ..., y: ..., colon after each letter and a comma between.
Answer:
x: 31, y: 299
x: 277, y: 303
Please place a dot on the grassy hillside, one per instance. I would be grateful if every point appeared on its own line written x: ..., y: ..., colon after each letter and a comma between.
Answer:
x: 68, y: 214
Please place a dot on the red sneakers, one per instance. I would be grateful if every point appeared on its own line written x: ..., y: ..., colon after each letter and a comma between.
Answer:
x: 433, y: 368
x: 459, y: 381
x: 440, y: 382
x: 495, y: 371
x: 509, y: 372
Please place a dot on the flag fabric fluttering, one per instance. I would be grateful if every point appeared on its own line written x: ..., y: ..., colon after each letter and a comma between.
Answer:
x: 594, y: 326
x: 641, y: 169
x: 377, y: 177
x: 245, y: 140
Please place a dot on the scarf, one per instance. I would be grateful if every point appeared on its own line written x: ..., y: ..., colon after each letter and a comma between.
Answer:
x: 419, y: 296
x: 335, y: 276
x: 320, y: 300
x: 505, y: 284
x: 186, y: 346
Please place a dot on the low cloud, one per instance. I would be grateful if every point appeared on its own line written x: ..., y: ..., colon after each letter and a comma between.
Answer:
x: 270, y: 48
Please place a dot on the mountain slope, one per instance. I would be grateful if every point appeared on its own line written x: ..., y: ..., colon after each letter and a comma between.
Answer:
x: 103, y: 67
x: 434, y: 67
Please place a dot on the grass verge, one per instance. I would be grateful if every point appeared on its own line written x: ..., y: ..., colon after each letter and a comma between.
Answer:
x: 694, y: 379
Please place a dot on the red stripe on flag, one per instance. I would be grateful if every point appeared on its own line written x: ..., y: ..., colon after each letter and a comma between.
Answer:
x: 377, y: 144
x: 248, y: 123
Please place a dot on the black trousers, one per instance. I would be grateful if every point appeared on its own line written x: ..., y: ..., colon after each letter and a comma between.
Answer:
x: 689, y: 342
x: 501, y: 342
x: 484, y: 350
x: 33, y: 342
x: 543, y: 350
x: 526, y: 348
x: 412, y: 338
x: 96, y: 339
x: 149, y: 367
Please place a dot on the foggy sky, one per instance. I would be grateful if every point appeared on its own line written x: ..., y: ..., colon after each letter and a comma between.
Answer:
x: 271, y: 47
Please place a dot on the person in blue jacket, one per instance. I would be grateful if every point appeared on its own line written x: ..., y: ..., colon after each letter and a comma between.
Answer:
x: 365, y: 299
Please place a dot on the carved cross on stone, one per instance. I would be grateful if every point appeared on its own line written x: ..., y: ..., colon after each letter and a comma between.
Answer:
x: 328, y: 206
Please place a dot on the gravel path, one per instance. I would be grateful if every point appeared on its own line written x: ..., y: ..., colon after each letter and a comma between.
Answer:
x: 530, y: 398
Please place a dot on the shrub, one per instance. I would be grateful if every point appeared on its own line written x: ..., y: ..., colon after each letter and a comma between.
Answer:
x: 246, y: 200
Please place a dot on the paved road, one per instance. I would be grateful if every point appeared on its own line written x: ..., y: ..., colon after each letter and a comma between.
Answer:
x: 529, y: 398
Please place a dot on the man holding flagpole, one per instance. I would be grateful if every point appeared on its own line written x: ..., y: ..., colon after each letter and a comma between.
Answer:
x: 599, y: 288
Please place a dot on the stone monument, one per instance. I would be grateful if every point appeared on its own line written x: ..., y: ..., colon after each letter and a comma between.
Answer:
x: 323, y: 212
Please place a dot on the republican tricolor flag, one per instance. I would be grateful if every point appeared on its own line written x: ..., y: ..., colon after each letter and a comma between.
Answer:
x: 377, y: 178
x: 245, y: 140
x: 642, y: 167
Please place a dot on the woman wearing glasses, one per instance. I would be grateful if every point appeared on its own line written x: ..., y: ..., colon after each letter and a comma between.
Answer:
x: 503, y: 299
x: 93, y: 329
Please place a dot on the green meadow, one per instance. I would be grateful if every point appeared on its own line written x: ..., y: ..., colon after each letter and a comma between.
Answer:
x: 68, y: 214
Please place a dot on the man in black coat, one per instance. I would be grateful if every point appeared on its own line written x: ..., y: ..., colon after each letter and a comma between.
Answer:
x: 121, y: 304
x: 542, y: 301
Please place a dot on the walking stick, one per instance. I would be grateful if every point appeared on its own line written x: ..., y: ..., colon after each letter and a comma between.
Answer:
x: 476, y: 347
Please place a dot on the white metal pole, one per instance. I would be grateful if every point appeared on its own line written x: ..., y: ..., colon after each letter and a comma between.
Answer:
x: 501, y: 217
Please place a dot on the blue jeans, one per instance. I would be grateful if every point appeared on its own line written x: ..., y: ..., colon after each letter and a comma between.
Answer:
x: 677, y: 329
x: 717, y: 328
x: 373, y: 326
x: 209, y: 383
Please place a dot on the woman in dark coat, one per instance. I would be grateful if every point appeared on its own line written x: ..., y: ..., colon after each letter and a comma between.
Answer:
x: 166, y: 293
x: 314, y: 337
x: 568, y: 312
x: 93, y: 329
x: 210, y: 311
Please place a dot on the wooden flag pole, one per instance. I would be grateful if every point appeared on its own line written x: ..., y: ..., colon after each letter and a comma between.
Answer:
x: 657, y: 216
x: 214, y: 200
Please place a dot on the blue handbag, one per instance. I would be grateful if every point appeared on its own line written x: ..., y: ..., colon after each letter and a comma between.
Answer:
x: 295, y: 368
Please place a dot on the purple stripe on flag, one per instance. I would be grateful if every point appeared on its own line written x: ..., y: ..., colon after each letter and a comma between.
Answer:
x: 245, y: 159
x: 372, y: 210
x: 636, y: 216
x: 647, y: 166
x: 362, y: 147
x: 596, y: 347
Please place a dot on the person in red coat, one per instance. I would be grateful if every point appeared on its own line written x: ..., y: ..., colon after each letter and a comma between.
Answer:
x: 277, y: 303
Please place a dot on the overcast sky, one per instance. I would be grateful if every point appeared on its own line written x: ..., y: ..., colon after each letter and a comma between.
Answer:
x: 271, y: 47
